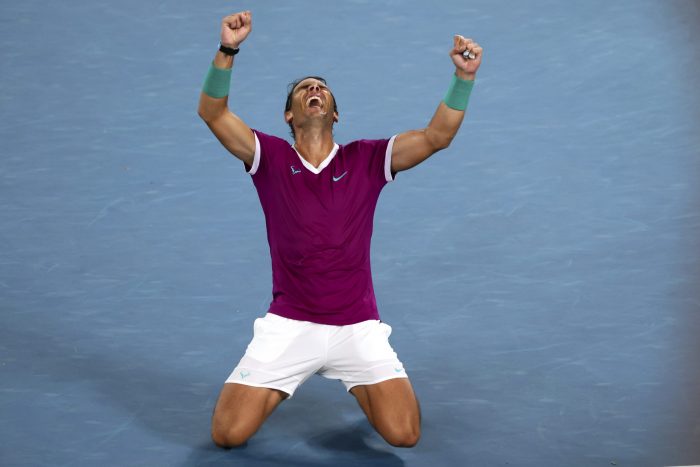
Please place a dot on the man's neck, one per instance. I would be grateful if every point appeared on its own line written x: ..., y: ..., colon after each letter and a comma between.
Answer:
x: 314, y: 144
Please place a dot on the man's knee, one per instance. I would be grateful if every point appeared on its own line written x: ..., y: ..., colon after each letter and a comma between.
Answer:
x: 240, y: 411
x: 405, y: 437
x: 229, y: 437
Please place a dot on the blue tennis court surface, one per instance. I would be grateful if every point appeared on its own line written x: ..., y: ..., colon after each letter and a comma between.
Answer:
x: 542, y: 275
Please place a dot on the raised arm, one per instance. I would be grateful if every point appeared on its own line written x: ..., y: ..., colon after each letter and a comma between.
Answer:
x: 413, y: 147
x: 230, y: 130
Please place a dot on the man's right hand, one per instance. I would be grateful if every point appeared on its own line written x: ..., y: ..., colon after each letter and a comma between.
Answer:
x: 235, y: 28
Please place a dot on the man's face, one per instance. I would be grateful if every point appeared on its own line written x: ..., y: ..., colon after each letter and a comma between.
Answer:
x: 311, y: 99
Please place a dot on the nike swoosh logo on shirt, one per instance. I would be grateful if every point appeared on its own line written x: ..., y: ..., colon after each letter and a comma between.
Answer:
x: 335, y: 179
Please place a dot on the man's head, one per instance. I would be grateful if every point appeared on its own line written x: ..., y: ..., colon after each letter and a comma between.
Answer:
x: 309, y: 98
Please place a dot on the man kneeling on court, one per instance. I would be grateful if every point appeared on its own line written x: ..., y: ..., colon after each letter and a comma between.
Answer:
x: 319, y: 198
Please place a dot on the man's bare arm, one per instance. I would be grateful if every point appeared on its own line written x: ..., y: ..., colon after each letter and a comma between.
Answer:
x: 413, y: 147
x: 229, y: 129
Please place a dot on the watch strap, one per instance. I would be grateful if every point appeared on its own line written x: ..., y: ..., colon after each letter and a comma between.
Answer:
x: 228, y: 50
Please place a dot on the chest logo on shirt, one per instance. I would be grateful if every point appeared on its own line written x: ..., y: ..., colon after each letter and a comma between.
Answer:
x: 335, y: 179
x: 295, y: 171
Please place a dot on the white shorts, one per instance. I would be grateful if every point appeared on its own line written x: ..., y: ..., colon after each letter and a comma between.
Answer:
x: 285, y: 352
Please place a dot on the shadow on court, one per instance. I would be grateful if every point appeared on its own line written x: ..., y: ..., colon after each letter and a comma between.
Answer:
x: 349, y: 446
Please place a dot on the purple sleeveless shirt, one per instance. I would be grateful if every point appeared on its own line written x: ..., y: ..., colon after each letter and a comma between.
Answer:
x: 319, y: 227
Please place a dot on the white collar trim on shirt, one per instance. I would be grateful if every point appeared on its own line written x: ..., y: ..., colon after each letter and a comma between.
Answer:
x: 323, y: 164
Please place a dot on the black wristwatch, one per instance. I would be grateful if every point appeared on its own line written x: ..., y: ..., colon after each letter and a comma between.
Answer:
x: 228, y: 50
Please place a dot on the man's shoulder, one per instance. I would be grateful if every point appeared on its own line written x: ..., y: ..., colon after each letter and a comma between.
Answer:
x: 366, y: 145
x: 270, y: 140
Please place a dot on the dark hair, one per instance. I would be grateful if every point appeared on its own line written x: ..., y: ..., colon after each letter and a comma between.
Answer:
x: 290, y: 90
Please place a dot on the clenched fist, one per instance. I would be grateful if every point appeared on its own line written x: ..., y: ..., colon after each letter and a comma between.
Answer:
x: 235, y: 28
x: 462, y: 52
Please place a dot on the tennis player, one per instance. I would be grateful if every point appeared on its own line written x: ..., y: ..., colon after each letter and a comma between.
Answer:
x: 319, y: 198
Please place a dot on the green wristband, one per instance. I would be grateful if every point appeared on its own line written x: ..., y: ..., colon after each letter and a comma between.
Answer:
x: 217, y: 82
x: 457, y: 96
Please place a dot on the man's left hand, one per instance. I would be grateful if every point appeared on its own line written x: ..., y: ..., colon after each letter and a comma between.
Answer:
x: 466, y: 67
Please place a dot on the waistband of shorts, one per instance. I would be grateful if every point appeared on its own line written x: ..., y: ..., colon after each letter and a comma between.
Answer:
x: 283, y: 319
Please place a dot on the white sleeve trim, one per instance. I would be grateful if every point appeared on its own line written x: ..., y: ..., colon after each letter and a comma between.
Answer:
x: 256, y: 158
x: 387, y: 160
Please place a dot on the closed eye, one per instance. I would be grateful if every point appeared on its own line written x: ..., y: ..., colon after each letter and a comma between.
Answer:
x: 306, y: 86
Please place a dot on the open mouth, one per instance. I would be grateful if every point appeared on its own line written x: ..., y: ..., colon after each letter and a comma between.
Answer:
x: 314, y: 101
